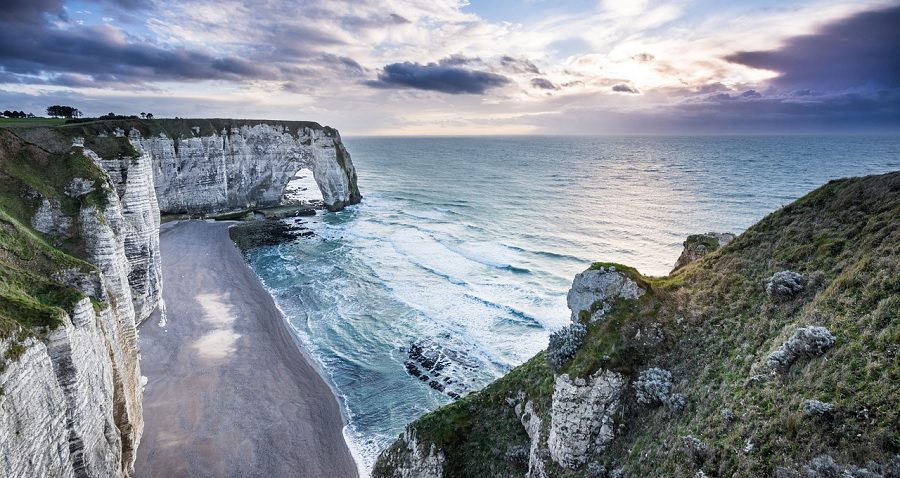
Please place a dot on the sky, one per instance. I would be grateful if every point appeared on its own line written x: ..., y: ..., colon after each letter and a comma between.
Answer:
x: 455, y: 67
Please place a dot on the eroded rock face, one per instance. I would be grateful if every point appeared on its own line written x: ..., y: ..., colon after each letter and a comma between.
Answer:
x: 82, y: 416
x: 247, y: 166
x: 594, y: 291
x: 412, y: 459
x: 581, y: 416
x: 805, y: 342
x: 699, y: 245
x: 532, y: 423
x: 132, y: 179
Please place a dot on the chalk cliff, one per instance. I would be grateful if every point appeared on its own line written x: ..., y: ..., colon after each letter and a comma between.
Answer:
x: 80, y: 267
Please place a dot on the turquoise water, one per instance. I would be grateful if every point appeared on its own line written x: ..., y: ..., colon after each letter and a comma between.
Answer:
x: 456, y: 265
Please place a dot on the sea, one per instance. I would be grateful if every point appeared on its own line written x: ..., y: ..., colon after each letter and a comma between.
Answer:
x: 455, y: 267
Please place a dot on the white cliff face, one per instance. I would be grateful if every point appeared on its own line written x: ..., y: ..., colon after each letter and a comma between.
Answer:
x: 33, y: 423
x: 581, y: 416
x: 532, y: 423
x: 594, y: 291
x: 105, y: 232
x: 133, y: 182
x: 246, y: 167
x: 72, y: 401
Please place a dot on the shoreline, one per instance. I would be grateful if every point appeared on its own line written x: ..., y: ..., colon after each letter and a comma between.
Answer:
x: 361, y: 469
x: 225, y: 349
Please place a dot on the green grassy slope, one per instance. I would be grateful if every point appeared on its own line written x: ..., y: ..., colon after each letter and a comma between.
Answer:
x: 31, y: 301
x: 719, y: 326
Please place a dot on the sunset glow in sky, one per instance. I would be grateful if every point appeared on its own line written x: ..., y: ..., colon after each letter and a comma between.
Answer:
x: 454, y: 67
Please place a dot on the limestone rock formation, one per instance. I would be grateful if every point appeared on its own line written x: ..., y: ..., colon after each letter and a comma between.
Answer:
x: 581, y: 418
x: 414, y: 460
x: 594, y: 291
x: 532, y: 423
x: 699, y: 245
x: 246, y: 166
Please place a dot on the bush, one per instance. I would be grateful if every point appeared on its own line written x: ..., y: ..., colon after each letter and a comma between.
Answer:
x: 564, y: 344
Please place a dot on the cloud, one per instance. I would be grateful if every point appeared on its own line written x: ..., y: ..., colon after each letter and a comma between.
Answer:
x: 543, y: 83
x: 437, y: 77
x: 623, y: 88
x: 519, y: 65
x: 857, y: 52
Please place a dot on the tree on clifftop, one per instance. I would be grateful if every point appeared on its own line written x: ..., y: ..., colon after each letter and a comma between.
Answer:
x: 64, y: 111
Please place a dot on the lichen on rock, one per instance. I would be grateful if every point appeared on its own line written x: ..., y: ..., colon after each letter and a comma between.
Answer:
x: 805, y: 342
x: 785, y: 284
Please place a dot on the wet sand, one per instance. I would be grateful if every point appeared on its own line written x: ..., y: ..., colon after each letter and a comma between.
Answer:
x: 229, y: 391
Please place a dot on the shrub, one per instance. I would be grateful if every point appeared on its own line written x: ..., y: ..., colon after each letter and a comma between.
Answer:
x: 564, y: 344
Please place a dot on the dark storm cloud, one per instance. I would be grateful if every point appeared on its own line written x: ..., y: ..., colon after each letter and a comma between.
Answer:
x: 40, y: 45
x: 437, y: 77
x: 543, y: 83
x: 859, y: 51
x: 846, y: 75
x: 623, y: 88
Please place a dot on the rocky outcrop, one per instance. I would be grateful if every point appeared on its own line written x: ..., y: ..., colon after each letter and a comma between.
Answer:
x: 410, y: 459
x: 246, y: 166
x: 595, y: 290
x: 699, y: 245
x: 581, y: 418
x: 532, y: 423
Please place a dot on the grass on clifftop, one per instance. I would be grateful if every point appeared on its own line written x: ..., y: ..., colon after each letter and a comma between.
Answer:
x: 712, y: 325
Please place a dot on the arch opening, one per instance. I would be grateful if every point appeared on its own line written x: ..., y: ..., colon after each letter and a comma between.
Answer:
x: 303, y: 190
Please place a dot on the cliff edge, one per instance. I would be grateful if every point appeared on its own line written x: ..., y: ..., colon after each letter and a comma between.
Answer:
x: 80, y: 212
x: 774, y: 354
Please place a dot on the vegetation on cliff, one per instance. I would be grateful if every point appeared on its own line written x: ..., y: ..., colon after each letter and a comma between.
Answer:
x: 713, y: 325
x: 31, y: 300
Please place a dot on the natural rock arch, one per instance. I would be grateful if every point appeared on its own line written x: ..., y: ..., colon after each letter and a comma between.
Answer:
x: 246, y: 166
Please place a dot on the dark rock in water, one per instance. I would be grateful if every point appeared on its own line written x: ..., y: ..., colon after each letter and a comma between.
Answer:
x: 253, y: 234
x: 440, y: 363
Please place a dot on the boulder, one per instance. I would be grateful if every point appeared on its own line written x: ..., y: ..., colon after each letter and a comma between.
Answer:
x: 596, y: 289
x: 699, y: 245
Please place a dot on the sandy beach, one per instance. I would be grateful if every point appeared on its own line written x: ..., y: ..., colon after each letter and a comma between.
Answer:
x: 229, y: 392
